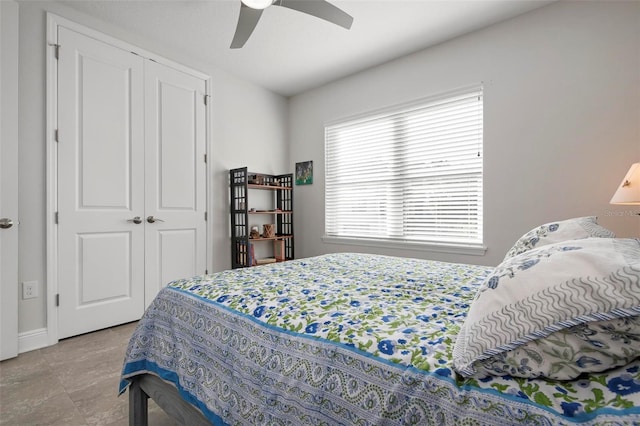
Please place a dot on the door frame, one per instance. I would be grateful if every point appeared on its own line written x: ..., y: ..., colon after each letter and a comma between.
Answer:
x: 9, y: 345
x: 53, y: 22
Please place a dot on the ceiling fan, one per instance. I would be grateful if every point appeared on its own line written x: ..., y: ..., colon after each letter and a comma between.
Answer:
x: 251, y: 10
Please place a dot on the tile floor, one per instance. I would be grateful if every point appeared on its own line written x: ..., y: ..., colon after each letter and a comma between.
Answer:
x: 73, y: 383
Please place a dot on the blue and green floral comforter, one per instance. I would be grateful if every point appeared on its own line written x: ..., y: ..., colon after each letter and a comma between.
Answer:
x: 348, y: 339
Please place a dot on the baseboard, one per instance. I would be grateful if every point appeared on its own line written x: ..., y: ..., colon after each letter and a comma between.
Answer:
x: 32, y: 340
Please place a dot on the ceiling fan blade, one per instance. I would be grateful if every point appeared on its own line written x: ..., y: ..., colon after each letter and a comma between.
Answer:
x: 320, y: 9
x: 247, y: 21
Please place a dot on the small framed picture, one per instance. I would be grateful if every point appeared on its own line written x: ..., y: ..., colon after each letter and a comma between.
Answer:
x: 304, y: 173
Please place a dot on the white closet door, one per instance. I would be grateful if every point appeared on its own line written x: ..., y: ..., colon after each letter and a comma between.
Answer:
x: 175, y: 243
x: 8, y: 180
x: 100, y: 185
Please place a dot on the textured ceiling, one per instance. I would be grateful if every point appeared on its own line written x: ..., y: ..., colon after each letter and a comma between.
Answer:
x: 290, y: 52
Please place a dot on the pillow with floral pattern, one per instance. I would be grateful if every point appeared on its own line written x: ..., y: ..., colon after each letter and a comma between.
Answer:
x: 529, y: 315
x: 566, y: 354
x: 556, y: 232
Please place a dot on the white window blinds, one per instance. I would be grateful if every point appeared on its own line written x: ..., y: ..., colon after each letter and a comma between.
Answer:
x: 413, y: 174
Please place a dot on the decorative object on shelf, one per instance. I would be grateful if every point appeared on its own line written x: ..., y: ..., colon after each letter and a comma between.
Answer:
x: 256, y: 179
x: 268, y: 230
x: 254, y: 232
x: 304, y: 173
x: 628, y: 193
x: 278, y: 250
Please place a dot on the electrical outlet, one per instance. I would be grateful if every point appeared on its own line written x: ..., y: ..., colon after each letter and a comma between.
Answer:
x: 29, y: 289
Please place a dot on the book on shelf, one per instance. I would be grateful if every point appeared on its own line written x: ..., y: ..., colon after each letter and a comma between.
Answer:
x: 243, y: 253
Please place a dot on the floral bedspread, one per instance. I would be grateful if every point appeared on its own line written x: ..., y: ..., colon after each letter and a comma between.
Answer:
x: 348, y: 339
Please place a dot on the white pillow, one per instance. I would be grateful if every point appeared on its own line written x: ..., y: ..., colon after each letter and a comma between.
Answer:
x: 556, y: 232
x: 548, y: 289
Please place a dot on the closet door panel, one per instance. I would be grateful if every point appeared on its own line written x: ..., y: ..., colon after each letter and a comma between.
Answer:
x: 176, y: 148
x: 175, y: 240
x: 100, y: 185
x: 104, y: 143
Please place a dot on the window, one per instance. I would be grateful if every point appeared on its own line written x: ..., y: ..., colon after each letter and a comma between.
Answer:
x: 409, y: 175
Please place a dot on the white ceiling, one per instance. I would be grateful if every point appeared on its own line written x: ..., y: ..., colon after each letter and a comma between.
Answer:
x: 290, y: 52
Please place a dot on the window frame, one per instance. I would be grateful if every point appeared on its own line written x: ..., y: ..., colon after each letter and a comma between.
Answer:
x: 465, y: 248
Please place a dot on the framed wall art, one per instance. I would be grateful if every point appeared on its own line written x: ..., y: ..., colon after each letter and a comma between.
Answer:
x: 304, y: 173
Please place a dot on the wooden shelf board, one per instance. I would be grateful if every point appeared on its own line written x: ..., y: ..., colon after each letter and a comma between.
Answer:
x: 255, y: 186
x: 277, y: 237
x: 270, y: 212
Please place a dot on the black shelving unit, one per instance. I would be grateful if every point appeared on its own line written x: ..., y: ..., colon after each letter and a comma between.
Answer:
x: 241, y: 183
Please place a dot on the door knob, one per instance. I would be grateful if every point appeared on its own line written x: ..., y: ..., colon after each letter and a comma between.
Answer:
x: 152, y: 219
x: 137, y: 220
x: 6, y: 223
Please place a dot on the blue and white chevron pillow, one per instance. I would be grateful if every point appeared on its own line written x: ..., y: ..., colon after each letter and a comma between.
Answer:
x: 546, y: 290
x: 556, y: 232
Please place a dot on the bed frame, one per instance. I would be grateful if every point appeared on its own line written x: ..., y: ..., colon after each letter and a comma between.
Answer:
x: 147, y: 386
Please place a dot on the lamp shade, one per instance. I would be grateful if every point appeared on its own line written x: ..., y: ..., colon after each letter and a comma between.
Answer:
x: 628, y: 192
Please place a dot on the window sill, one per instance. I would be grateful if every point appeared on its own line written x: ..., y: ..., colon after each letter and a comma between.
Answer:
x: 466, y: 249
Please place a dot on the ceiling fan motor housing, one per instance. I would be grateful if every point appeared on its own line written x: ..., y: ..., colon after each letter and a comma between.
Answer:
x: 258, y: 4
x: 251, y: 11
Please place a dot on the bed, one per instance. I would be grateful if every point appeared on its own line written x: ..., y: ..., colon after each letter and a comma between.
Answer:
x: 351, y: 339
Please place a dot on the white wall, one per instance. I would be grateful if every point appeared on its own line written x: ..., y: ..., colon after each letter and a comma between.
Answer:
x: 262, y: 145
x: 561, y: 126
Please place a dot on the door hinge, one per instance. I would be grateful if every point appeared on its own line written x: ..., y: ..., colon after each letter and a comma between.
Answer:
x: 56, y: 51
x: 206, y: 271
x: 205, y: 216
x: 206, y: 99
x: 55, y: 135
x: 56, y: 218
x: 205, y: 158
x: 58, y: 299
